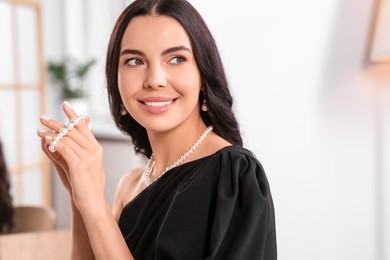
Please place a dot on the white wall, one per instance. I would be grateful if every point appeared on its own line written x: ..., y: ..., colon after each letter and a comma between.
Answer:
x: 316, y: 115
x: 307, y: 106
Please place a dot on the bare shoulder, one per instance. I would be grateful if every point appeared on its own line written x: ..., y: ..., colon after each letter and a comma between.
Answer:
x: 214, y: 144
x: 129, y: 186
x: 131, y: 178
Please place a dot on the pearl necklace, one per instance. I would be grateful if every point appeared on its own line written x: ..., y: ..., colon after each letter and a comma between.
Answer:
x: 151, y: 163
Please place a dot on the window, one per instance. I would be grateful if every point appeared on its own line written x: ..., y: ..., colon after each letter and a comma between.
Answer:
x: 22, y: 95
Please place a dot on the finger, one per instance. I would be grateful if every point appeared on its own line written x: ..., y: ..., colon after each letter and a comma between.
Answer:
x: 72, y: 133
x: 79, y: 132
x: 70, y: 137
x: 46, y: 137
x: 57, y: 160
x: 41, y: 132
x: 50, y: 123
x: 80, y: 139
x: 79, y: 151
x: 68, y: 110
x: 67, y: 152
x: 71, y: 113
x: 85, y: 129
x: 84, y: 126
x: 44, y: 148
x: 54, y: 157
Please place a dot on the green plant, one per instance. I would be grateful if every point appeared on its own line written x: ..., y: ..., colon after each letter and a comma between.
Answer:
x: 69, y: 75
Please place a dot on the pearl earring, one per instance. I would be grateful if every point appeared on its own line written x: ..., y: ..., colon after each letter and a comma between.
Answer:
x: 204, y: 105
x: 123, y: 110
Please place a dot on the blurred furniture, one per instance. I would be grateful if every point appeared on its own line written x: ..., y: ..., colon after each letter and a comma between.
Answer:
x: 45, y: 245
x: 33, y: 218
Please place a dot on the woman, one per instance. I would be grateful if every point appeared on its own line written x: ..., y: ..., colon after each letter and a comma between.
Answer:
x: 201, y: 195
x: 6, y: 208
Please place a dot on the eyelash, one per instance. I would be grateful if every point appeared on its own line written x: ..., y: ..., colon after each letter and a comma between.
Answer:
x: 135, y: 59
x: 183, y: 59
x: 138, y: 60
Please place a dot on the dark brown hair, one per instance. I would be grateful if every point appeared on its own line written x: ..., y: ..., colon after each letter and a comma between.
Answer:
x: 6, y: 208
x: 213, y: 78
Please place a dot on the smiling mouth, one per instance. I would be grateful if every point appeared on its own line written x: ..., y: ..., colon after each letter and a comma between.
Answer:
x: 158, y: 104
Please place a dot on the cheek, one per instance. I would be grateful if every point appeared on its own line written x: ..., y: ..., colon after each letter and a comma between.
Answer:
x: 188, y: 81
x: 121, y: 80
x: 125, y: 84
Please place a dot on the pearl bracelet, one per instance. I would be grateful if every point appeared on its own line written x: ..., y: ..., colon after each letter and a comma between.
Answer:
x: 64, y: 131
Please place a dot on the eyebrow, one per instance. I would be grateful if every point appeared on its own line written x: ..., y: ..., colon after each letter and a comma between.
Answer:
x: 173, y: 49
x: 165, y: 52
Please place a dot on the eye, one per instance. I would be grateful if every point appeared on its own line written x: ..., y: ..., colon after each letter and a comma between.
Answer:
x: 134, y: 62
x: 177, y: 60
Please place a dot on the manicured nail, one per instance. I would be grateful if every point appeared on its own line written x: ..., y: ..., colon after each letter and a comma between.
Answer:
x: 41, y: 130
x: 48, y: 137
x: 45, y: 118
x: 66, y: 103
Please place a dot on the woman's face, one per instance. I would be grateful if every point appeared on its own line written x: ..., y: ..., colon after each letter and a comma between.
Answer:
x: 158, y: 78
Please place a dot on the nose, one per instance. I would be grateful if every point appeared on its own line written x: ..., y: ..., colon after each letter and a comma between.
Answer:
x: 155, y: 77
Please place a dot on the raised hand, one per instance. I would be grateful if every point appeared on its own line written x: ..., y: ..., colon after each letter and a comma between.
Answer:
x: 77, y: 156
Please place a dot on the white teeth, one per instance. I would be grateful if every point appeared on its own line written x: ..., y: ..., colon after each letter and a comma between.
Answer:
x: 158, y: 104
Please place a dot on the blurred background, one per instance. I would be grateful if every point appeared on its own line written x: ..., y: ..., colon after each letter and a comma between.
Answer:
x: 311, y: 82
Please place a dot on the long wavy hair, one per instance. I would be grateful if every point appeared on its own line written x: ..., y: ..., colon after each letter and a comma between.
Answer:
x: 6, y: 208
x: 213, y: 79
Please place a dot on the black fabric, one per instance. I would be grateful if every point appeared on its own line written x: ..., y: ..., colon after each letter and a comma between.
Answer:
x: 216, y: 207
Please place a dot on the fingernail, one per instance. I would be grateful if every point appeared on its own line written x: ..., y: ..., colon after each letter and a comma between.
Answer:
x: 90, y: 126
x: 45, y: 118
x: 48, y: 137
x: 66, y: 103
x: 41, y: 130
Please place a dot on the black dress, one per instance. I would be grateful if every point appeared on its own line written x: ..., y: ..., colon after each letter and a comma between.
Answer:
x: 216, y: 207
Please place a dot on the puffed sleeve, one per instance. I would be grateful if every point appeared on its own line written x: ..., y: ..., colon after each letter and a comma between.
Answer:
x: 243, y: 224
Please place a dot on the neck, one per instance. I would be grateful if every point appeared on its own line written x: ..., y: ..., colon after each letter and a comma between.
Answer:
x: 170, y: 145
